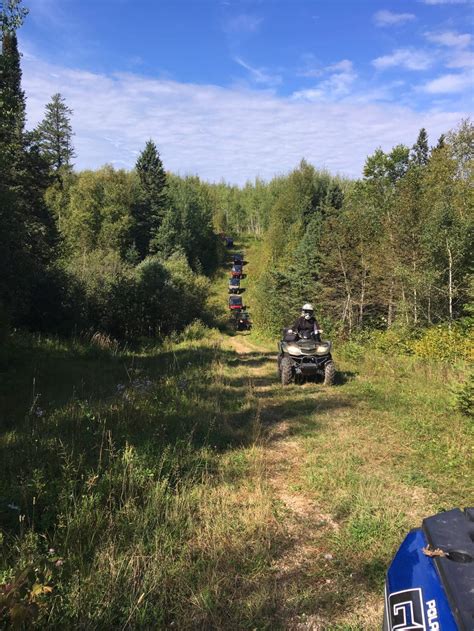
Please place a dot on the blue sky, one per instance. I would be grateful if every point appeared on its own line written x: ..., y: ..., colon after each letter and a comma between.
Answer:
x: 234, y: 89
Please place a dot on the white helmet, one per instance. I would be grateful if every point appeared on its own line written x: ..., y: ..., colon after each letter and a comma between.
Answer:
x: 307, y: 311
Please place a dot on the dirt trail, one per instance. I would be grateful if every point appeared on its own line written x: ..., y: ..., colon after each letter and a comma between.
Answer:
x: 305, y: 524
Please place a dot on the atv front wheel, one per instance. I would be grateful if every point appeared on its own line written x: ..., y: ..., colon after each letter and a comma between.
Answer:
x: 329, y: 373
x: 286, y: 371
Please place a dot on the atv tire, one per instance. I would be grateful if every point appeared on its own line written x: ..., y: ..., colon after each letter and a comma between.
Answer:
x: 329, y: 373
x: 286, y: 371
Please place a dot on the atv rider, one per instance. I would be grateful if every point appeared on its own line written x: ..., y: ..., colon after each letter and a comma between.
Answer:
x: 307, y: 322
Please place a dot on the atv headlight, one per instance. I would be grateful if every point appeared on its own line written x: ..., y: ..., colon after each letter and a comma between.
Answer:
x: 293, y: 349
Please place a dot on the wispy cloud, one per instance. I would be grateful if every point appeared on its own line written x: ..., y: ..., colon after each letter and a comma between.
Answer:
x: 461, y: 59
x: 450, y: 38
x: 445, y: 1
x: 233, y: 133
x: 340, y: 77
x: 388, y: 18
x: 407, y: 58
x: 449, y: 84
x: 244, y: 23
x: 259, y: 75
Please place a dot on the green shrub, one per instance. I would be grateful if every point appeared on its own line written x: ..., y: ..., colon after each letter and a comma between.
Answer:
x: 351, y: 350
x: 394, y: 341
x: 463, y: 396
x: 444, y: 344
x: 197, y: 330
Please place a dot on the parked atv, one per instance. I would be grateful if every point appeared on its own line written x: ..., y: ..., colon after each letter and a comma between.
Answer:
x: 238, y: 259
x: 302, y: 356
x: 242, y: 321
x: 234, y: 285
x: 237, y: 271
x: 235, y: 303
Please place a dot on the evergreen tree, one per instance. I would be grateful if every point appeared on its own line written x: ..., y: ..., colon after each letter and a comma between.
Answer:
x: 420, y: 150
x: 27, y: 232
x: 149, y: 212
x: 55, y: 134
x: 12, y: 119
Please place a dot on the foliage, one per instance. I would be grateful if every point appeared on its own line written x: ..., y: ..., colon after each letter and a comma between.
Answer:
x: 149, y: 209
x: 55, y: 135
x: 463, y: 395
x: 445, y: 344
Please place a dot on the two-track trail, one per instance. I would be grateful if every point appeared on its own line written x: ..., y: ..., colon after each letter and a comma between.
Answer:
x: 306, y: 582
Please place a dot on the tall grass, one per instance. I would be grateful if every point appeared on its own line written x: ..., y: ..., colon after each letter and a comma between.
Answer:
x: 123, y: 507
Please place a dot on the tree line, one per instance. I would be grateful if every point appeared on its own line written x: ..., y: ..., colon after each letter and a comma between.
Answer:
x: 124, y: 252
x: 391, y: 248
x: 130, y: 253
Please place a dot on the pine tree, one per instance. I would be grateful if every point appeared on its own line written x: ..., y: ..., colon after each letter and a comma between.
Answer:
x: 55, y: 134
x: 27, y: 232
x: 149, y: 213
x: 12, y: 119
x: 420, y: 150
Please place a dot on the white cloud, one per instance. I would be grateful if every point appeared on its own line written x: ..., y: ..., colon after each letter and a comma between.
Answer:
x: 450, y: 38
x: 340, y: 77
x: 445, y: 1
x: 259, y: 75
x: 388, y: 18
x: 407, y: 58
x: 244, y: 23
x: 232, y: 133
x: 461, y: 59
x: 449, y: 83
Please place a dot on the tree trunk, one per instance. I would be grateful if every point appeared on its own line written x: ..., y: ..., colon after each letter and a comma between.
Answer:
x: 450, y: 282
x: 429, y: 304
x: 390, y: 305
x: 348, y: 307
x: 362, y: 298
x: 404, y: 300
x: 415, y: 296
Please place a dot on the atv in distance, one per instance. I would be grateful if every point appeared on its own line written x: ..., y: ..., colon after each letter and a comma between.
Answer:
x: 237, y: 271
x: 238, y: 259
x: 235, y: 303
x: 242, y: 321
x: 302, y: 356
x: 234, y: 285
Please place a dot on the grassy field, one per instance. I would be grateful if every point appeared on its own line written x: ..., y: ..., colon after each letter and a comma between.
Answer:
x: 182, y: 487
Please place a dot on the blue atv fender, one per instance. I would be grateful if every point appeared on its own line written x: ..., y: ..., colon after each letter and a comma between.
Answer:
x: 430, y: 582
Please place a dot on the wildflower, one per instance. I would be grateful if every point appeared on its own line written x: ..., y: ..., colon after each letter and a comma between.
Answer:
x: 120, y: 387
x: 39, y: 412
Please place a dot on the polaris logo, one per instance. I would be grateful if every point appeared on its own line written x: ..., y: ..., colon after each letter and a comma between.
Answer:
x: 432, y: 613
x: 407, y: 610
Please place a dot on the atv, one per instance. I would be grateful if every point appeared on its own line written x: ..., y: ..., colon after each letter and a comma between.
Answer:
x: 234, y: 285
x: 302, y: 356
x: 236, y: 271
x: 242, y: 321
x: 235, y: 303
x: 238, y: 259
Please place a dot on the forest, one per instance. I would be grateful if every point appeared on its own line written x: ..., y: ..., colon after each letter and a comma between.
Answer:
x: 130, y: 253
x: 153, y: 472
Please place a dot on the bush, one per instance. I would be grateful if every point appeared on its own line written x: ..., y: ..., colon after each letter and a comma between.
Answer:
x: 441, y: 343
x: 463, y: 399
x: 197, y: 330
x: 352, y: 351
x: 394, y: 341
